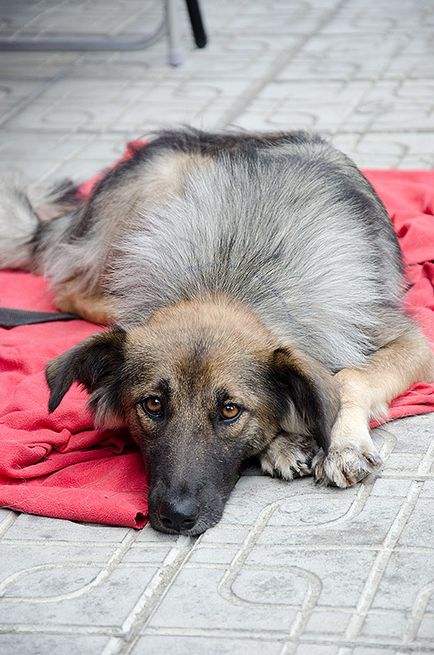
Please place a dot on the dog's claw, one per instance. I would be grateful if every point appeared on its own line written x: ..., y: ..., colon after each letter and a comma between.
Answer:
x: 288, y: 457
x: 344, y: 467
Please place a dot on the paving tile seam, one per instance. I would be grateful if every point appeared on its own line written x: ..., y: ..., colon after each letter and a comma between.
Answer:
x: 283, y: 569
x: 68, y: 544
x: 105, y: 572
x: 59, y: 629
x: 306, y: 548
x: 427, y: 460
x: 351, y: 107
x: 24, y: 102
x: 418, y: 477
x: 265, y: 635
x: 418, y: 612
x: 378, y: 568
x: 225, y: 587
x: 239, y: 633
x: 145, y: 607
x: 8, y: 522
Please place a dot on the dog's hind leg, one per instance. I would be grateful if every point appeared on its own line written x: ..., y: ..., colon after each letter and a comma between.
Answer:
x: 366, y: 393
x: 93, y: 307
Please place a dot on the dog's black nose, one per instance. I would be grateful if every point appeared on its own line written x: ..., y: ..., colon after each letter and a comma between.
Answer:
x: 178, y: 514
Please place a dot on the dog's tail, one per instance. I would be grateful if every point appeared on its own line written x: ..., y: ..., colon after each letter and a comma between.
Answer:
x: 25, y: 217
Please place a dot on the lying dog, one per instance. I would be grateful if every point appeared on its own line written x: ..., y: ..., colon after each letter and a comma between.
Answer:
x: 254, y: 285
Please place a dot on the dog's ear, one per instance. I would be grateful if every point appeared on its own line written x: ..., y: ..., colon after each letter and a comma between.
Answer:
x: 310, y: 388
x: 96, y: 364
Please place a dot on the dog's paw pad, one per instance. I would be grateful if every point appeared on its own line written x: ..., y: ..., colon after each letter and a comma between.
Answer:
x: 288, y: 457
x: 345, y: 467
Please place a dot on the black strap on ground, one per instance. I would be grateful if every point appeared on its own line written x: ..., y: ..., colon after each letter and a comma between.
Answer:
x: 10, y: 318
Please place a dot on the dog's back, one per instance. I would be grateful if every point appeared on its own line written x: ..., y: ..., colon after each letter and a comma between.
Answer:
x: 288, y: 225
x: 283, y: 222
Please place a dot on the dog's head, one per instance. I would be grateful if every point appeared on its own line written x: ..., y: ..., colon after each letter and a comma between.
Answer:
x: 202, y: 387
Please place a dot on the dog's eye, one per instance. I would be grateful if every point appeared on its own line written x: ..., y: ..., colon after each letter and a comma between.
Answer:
x: 153, y: 406
x: 230, y: 412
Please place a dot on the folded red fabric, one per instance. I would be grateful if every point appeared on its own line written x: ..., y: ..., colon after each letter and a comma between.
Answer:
x: 59, y: 465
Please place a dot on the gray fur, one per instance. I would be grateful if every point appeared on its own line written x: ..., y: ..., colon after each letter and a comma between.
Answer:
x: 24, y: 216
x: 286, y: 224
x: 18, y: 225
x: 277, y: 235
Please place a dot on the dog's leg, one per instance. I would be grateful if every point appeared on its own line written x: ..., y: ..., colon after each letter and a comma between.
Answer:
x: 289, y: 456
x: 95, y: 308
x: 366, y: 393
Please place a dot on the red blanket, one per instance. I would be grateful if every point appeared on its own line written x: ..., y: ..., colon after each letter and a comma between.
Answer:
x: 59, y: 465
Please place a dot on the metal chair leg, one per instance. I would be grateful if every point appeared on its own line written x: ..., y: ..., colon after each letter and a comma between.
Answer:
x: 169, y: 24
x: 195, y: 14
x: 79, y: 44
x: 175, y: 55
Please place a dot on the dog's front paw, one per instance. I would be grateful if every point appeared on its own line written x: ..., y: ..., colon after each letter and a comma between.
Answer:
x: 344, y: 467
x: 288, y: 456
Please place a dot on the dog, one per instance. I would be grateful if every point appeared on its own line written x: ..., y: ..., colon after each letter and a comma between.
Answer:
x: 253, y: 285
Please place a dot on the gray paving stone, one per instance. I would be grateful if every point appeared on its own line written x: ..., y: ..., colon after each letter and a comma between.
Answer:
x: 28, y: 527
x: 326, y: 621
x: 42, y: 66
x: 377, y: 651
x: 292, y: 569
x: 428, y: 489
x: 389, y: 624
x: 406, y: 575
x: 390, y: 488
x: 182, y: 645
x: 357, y: 525
x: 20, y: 560
x: 23, y: 146
x: 419, y: 529
x: 13, y: 93
x: 386, y: 16
x: 316, y: 649
x: 84, y: 602
x: 215, y: 554
x: 426, y: 629
x: 197, y: 601
x: 148, y: 535
x: 225, y: 533
x: 41, y: 644
x: 322, y: 571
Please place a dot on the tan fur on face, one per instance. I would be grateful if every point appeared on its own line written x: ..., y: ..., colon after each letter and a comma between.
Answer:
x: 201, y: 346
x: 229, y: 321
